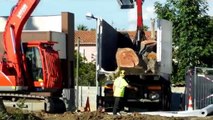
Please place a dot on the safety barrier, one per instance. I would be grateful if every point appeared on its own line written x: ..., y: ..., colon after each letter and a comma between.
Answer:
x: 199, y: 88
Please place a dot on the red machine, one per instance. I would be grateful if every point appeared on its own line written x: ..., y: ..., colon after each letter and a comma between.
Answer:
x: 28, y: 67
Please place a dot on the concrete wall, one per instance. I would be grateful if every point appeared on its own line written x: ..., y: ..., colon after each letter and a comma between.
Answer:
x: 50, y: 23
x: 84, y: 92
x: 91, y: 92
x: 89, y: 52
x: 3, y: 21
x: 49, y: 35
x: 38, y: 23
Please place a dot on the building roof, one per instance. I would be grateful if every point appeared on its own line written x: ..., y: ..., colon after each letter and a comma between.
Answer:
x: 132, y: 34
x: 86, y: 37
x: 89, y: 37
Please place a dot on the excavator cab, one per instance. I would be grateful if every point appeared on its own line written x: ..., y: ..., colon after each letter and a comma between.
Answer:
x: 34, y: 64
x: 43, y: 65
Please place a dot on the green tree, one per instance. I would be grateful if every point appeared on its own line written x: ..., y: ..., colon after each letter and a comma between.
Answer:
x: 86, y: 71
x: 82, y: 27
x: 93, y: 29
x: 145, y: 27
x: 192, y: 34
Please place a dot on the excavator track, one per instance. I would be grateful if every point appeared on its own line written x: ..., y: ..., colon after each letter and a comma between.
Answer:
x: 21, y: 95
x: 34, y: 101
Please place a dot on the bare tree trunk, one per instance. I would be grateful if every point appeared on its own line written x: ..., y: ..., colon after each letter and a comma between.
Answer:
x: 126, y: 57
x: 2, y: 107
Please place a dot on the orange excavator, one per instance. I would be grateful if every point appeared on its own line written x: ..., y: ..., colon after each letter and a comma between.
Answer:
x: 31, y: 69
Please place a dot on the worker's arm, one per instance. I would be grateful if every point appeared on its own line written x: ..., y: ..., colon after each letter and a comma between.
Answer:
x: 113, y: 87
x: 129, y: 86
x: 132, y: 87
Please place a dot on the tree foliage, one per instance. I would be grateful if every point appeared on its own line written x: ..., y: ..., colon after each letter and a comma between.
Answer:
x: 145, y: 27
x: 82, y: 27
x: 192, y: 34
x: 86, y: 71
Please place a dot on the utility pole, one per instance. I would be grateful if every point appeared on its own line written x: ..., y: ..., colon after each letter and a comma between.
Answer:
x: 77, y: 73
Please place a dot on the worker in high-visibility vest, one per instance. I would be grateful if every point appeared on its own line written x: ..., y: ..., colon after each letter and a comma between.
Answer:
x: 118, y: 89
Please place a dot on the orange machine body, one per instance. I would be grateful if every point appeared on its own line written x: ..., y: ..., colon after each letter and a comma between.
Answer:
x: 30, y: 65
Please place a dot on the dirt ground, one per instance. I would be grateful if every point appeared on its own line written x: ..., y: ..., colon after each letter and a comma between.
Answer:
x: 15, y: 114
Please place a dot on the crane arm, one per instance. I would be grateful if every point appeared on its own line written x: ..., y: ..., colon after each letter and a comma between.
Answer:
x: 140, y: 35
x: 139, y: 13
x: 13, y: 29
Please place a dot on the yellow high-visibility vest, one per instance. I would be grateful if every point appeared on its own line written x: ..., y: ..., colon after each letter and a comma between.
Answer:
x: 119, y: 87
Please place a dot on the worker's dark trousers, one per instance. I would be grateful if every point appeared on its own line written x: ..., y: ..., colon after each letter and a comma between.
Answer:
x: 118, y: 105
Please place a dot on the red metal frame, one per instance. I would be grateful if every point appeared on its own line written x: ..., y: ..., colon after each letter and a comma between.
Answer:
x: 139, y: 13
x: 140, y: 35
x: 52, y: 76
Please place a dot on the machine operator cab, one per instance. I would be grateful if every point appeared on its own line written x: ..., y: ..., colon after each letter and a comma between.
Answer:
x: 34, y: 63
x: 43, y: 65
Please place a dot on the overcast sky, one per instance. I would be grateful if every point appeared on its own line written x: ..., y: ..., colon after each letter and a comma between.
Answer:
x: 106, y: 9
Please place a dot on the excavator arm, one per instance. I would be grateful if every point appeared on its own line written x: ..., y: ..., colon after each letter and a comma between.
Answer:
x: 140, y: 35
x: 12, y: 37
x: 139, y: 13
x: 141, y: 45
